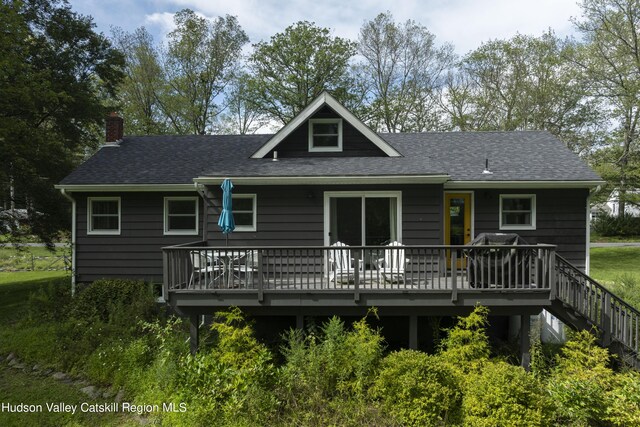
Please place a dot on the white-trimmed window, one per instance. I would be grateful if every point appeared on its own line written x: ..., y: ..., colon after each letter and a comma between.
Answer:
x: 325, y: 135
x: 181, y: 215
x: 103, y: 215
x: 517, y: 212
x: 245, y: 212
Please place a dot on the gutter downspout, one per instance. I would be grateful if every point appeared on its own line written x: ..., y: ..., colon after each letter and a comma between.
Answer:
x: 205, y: 204
x: 73, y: 240
x: 587, y: 262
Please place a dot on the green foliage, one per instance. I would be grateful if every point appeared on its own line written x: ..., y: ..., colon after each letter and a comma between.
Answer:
x: 117, y: 302
x: 326, y: 376
x: 503, y: 395
x: 467, y: 343
x: 607, y: 225
x: 418, y: 389
x: 623, y: 400
x: 49, y: 303
x: 57, y: 77
x: 404, y: 69
x: 524, y: 83
x: 231, y: 380
x: 580, y: 381
x: 295, y: 66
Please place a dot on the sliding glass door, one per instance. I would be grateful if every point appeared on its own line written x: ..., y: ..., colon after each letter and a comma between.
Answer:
x: 364, y: 218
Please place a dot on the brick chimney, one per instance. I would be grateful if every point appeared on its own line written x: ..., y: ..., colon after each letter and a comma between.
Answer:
x: 115, y: 127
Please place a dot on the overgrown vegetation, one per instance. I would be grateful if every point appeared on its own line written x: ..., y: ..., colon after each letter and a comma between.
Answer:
x: 112, y: 335
x: 608, y: 225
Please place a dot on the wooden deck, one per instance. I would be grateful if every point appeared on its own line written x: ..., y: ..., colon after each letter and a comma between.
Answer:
x: 436, y: 277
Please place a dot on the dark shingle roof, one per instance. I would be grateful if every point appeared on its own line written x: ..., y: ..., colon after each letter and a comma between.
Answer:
x: 513, y: 156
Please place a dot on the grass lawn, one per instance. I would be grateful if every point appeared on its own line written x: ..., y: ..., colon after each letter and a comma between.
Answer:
x: 596, y: 238
x: 18, y: 387
x: 609, y: 264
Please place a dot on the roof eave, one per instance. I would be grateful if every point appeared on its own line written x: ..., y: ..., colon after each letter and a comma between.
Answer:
x: 317, y: 180
x: 459, y: 184
x: 124, y: 187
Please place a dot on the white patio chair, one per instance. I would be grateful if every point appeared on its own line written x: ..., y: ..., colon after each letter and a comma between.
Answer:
x: 340, y: 263
x: 392, y: 266
x: 204, y: 264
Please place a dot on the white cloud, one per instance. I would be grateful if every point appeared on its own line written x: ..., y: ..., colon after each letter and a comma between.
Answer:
x: 161, y: 22
x: 465, y: 23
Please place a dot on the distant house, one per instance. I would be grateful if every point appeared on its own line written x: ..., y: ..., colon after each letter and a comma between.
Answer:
x: 332, y: 218
x: 613, y: 203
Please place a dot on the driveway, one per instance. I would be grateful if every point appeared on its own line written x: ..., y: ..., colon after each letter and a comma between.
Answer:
x: 614, y: 245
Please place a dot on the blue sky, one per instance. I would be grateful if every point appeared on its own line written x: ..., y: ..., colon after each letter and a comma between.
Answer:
x: 464, y: 23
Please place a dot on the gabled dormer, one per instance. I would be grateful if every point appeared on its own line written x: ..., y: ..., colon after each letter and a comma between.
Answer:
x: 325, y: 128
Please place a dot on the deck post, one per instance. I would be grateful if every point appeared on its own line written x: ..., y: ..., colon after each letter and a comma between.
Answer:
x: 413, y: 332
x: 260, y: 278
x: 553, y: 285
x: 165, y: 275
x: 525, y: 341
x: 194, y: 333
x: 454, y: 275
x: 356, y: 275
x: 300, y: 322
x: 606, y: 319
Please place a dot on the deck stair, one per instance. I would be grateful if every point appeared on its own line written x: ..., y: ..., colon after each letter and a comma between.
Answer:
x: 583, y: 303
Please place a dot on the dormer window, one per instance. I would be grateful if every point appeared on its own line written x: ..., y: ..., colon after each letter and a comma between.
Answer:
x: 325, y: 135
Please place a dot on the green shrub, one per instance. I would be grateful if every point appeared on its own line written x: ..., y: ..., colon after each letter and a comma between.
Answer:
x: 230, y: 382
x: 418, y: 389
x: 623, y: 400
x: 503, y: 395
x: 607, y: 225
x: 49, y: 303
x: 467, y: 343
x: 326, y: 375
x: 580, y: 381
x: 119, y: 302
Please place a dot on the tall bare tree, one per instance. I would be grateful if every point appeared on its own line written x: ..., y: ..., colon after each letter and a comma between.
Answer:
x: 240, y: 114
x: 199, y: 60
x: 144, y: 76
x: 406, y: 70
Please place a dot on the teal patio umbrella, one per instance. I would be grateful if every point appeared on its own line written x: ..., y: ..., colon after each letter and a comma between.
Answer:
x: 226, y: 222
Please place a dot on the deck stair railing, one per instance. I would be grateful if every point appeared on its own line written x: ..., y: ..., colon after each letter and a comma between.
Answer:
x: 588, y: 304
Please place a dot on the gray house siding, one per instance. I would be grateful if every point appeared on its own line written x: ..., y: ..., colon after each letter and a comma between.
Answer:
x: 294, y: 216
x: 135, y: 253
x: 561, y: 219
x: 354, y: 143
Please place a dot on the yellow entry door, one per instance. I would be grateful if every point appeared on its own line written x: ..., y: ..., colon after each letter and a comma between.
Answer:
x: 457, y: 222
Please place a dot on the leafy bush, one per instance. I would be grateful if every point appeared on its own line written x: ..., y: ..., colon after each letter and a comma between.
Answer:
x: 49, y: 303
x: 326, y: 375
x: 607, y: 225
x: 503, y: 395
x: 418, y: 389
x: 118, y: 302
x: 623, y: 401
x: 580, y: 381
x: 467, y: 342
x: 229, y: 382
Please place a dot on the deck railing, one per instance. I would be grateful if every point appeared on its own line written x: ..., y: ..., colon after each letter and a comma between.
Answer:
x: 614, y: 319
x: 360, y: 268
